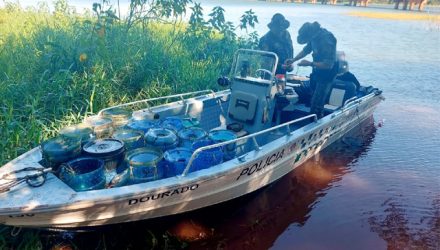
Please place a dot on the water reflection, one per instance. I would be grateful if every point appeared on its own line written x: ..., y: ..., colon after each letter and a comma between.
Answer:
x: 395, y: 227
x: 265, y: 216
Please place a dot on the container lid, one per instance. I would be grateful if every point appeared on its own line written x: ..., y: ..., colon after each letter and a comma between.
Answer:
x: 143, y: 125
x: 80, y: 130
x: 160, y: 136
x: 103, y: 146
x: 178, y: 155
x: 127, y: 135
x: 99, y: 122
x: 222, y: 135
x: 144, y: 156
x: 192, y: 133
x: 59, y: 145
x: 143, y: 115
x: 173, y: 122
x: 117, y: 112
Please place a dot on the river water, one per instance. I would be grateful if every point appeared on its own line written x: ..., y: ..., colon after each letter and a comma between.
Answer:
x: 377, y: 188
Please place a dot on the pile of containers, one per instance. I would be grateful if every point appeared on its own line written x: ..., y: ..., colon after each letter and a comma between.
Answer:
x: 121, y: 148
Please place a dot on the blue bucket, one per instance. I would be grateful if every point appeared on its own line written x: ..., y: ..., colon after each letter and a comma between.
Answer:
x: 206, y: 158
x: 190, y: 135
x: 121, y: 178
x: 141, y: 125
x: 176, y: 160
x: 161, y: 138
x: 83, y: 174
x: 145, y: 165
x: 173, y: 122
x: 218, y: 136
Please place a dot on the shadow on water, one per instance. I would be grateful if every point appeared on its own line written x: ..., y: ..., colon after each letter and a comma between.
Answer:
x: 254, y: 221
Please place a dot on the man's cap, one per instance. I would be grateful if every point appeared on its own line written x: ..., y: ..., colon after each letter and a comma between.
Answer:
x: 307, y: 32
x: 278, y: 20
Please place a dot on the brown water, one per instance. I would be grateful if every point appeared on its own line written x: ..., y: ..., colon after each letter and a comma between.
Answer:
x: 378, y: 188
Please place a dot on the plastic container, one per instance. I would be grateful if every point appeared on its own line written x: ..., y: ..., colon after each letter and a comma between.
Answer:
x: 121, y: 178
x: 144, y: 114
x: 119, y: 116
x: 173, y: 122
x: 132, y: 139
x: 190, y: 135
x: 176, y: 160
x: 111, y: 151
x: 141, y: 125
x: 206, y: 158
x: 59, y: 149
x: 145, y: 165
x: 102, y: 127
x: 80, y: 131
x: 189, y: 122
x: 83, y: 174
x: 161, y: 138
x: 229, y: 150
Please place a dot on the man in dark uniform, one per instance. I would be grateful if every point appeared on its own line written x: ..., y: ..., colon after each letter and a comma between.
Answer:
x: 278, y: 41
x: 323, y: 45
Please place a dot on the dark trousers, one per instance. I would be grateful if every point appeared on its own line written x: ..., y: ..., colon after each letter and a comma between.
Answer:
x: 323, y: 85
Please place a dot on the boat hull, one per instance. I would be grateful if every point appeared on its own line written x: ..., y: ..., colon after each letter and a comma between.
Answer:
x: 199, y: 189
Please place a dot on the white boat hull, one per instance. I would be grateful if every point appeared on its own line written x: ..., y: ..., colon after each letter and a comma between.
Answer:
x: 65, y: 208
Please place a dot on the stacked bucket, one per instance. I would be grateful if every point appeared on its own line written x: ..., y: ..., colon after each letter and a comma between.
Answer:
x: 120, y: 147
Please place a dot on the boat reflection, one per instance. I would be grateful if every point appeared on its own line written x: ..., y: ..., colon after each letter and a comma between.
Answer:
x: 263, y: 217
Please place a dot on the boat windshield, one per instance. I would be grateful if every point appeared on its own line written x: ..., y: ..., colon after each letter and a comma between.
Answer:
x: 254, y: 64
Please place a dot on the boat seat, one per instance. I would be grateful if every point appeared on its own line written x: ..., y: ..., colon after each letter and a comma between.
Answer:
x: 242, y: 107
x: 340, y: 92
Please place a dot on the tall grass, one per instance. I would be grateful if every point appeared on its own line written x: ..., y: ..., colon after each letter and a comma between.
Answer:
x: 57, y: 68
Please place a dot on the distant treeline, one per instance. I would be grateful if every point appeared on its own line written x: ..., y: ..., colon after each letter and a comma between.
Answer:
x: 428, y: 2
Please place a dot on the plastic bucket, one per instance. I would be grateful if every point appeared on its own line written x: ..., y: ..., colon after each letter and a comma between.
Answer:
x: 161, y: 138
x: 190, y: 135
x: 206, y: 158
x: 189, y: 122
x: 176, y: 160
x: 218, y: 136
x: 144, y: 114
x: 83, y: 174
x: 102, y: 127
x: 81, y: 132
x: 141, y: 125
x: 121, y: 178
x: 119, y: 116
x: 145, y: 165
x: 111, y: 151
x: 132, y: 138
x: 173, y: 122
x: 58, y: 150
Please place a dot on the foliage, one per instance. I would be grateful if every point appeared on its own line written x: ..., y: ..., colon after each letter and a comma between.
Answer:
x: 58, y: 67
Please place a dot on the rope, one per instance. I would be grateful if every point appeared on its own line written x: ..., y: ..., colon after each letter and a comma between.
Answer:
x: 33, y: 180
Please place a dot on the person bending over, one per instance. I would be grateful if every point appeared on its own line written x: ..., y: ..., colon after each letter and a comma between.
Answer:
x: 322, y: 44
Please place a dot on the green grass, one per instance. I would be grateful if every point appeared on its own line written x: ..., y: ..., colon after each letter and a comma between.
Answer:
x: 55, y: 69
